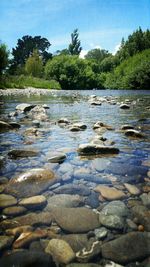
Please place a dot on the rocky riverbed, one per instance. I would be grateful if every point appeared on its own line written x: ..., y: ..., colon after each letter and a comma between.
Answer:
x: 75, y: 179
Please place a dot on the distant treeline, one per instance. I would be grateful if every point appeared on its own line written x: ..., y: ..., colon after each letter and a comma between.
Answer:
x: 31, y: 61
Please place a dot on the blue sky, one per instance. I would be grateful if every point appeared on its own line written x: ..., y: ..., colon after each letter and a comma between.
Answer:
x: 101, y: 23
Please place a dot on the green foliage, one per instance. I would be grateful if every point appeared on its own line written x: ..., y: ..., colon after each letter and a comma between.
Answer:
x: 72, y: 72
x: 3, y: 58
x: 75, y: 45
x: 22, y: 81
x: 108, y: 64
x: 34, y: 65
x: 132, y: 73
x: 97, y: 54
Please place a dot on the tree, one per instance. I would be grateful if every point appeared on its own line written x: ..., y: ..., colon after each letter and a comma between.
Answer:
x: 75, y: 45
x: 97, y: 54
x: 34, y: 64
x: 25, y: 47
x: 3, y: 58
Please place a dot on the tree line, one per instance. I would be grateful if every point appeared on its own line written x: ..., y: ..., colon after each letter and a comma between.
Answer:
x: 129, y: 68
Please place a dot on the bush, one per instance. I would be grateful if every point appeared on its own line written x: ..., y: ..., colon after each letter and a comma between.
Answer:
x: 3, y: 58
x: 34, y: 65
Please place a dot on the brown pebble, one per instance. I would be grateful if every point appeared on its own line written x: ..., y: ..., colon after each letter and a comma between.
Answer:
x: 141, y: 228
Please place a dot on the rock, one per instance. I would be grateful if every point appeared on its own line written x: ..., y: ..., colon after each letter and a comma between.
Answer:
x: 100, y: 164
x: 38, y: 113
x: 15, y: 125
x: 111, y: 221
x: 77, y: 127
x: 76, y: 241
x: 63, y: 120
x: 133, y: 190
x: 100, y: 233
x: 31, y: 132
x: 14, y: 211
x: 100, y: 124
x: 127, y: 127
x: 64, y: 200
x: 36, y: 123
x: 42, y: 218
x: 96, y: 103
x: 27, y: 259
x: 124, y: 106
x: 116, y: 207
x: 66, y: 167
x: 146, y: 199
x: 24, y: 107
x: 21, y: 153
x: 4, y: 126
x: 19, y: 230
x: 82, y: 265
x: 92, y: 149
x: 131, y: 224
x: 92, y: 249
x: 57, y: 158
x: 34, y: 202
x: 5, y: 242
x: 30, y: 183
x: 73, y: 189
x: 60, y: 251
x: 26, y: 238
x: 109, y: 193
x: 92, y: 200
x: 69, y: 218
x: 134, y: 133
x: 7, y: 201
x: 127, y: 248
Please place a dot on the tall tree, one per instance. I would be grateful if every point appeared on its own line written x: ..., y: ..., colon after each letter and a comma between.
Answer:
x: 97, y: 54
x: 75, y: 45
x: 34, y: 64
x: 25, y: 47
x: 3, y: 57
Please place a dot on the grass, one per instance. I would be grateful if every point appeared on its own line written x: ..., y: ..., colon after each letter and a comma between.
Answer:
x: 23, y: 81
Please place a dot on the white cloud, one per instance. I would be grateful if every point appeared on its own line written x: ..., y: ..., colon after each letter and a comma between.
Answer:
x: 116, y: 48
x: 83, y: 53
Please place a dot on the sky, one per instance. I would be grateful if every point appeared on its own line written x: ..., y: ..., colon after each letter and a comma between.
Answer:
x: 101, y: 23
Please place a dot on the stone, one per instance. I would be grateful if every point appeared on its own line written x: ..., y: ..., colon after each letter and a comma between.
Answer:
x: 34, y: 202
x: 5, y: 241
x: 109, y: 193
x: 127, y: 127
x: 36, y: 123
x: 34, y: 219
x: 92, y: 249
x: 133, y: 190
x: 19, y: 230
x: 14, y: 211
x: 101, y: 233
x: 76, y: 241
x: 124, y: 106
x: 38, y: 113
x: 100, y: 164
x: 22, y: 153
x: 64, y: 200
x: 27, y: 258
x: 82, y: 265
x: 7, y: 201
x: 134, y: 133
x: 30, y: 183
x: 146, y: 199
x: 128, y: 248
x: 15, y: 125
x: 116, y: 207
x: 66, y: 167
x: 24, y: 107
x: 78, y: 127
x: 92, y: 200
x: 63, y: 120
x: 57, y: 158
x: 69, y: 218
x: 111, y: 221
x: 60, y: 251
x: 4, y: 126
x: 73, y: 189
x: 131, y: 224
x: 92, y: 149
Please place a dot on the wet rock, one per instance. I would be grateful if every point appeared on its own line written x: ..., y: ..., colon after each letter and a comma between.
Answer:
x: 15, y: 125
x: 77, y: 127
x: 127, y: 127
x: 69, y: 218
x: 21, y: 153
x: 3, y: 180
x: 36, y: 123
x: 111, y: 221
x: 92, y: 149
x: 73, y: 189
x: 19, y: 230
x: 100, y: 164
x: 57, y: 158
x: 63, y: 120
x: 92, y: 200
x: 76, y: 241
x: 66, y: 167
x: 5, y: 242
x: 131, y: 224
x: 109, y: 193
x: 30, y: 183
x: 116, y: 207
x: 31, y: 132
x: 134, y: 133
x: 82, y: 265
x: 27, y: 259
x: 124, y: 106
x: 42, y: 218
x: 127, y: 248
x: 64, y: 200
x: 92, y: 249
x: 7, y: 201
x: 34, y: 202
x: 14, y: 211
x: 146, y: 199
x: 4, y: 126
x: 24, y: 107
x: 133, y: 190
x: 101, y: 233
x: 26, y: 238
x: 100, y: 124
x: 60, y: 251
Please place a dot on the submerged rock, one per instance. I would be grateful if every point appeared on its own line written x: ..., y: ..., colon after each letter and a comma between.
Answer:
x: 57, y: 158
x: 133, y: 190
x: 134, y: 133
x: 7, y: 201
x: 111, y: 221
x: 22, y: 153
x: 30, y: 183
x: 5, y: 242
x: 93, y: 149
x: 4, y: 126
x: 109, y: 193
x: 14, y: 211
x: 116, y: 207
x: 81, y: 190
x: 34, y: 202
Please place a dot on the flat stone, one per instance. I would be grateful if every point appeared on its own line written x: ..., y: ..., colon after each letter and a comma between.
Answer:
x: 133, y: 190
x: 116, y: 207
x: 21, y: 153
x: 127, y: 248
x: 4, y: 126
x: 7, y: 201
x: 93, y: 149
x: 14, y: 211
x: 57, y: 158
x: 5, y: 241
x: 73, y: 189
x: 100, y: 164
x: 109, y: 193
x: 64, y: 200
x: 124, y: 106
x: 30, y: 183
x: 111, y: 221
x: 34, y: 202
x: 60, y: 251
x: 134, y: 133
x: 69, y: 218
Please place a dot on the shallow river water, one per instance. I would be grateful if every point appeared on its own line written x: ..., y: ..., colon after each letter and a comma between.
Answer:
x: 82, y: 180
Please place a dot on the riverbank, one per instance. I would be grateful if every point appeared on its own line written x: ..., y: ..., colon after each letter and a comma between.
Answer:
x: 26, y: 91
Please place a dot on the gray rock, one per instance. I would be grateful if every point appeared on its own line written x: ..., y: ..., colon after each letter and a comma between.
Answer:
x: 57, y: 158
x: 100, y: 164
x: 7, y: 201
x: 92, y: 200
x: 65, y: 167
x: 116, y: 207
x: 34, y: 202
x: 73, y: 189
x: 92, y: 149
x: 124, y: 106
x: 101, y: 233
x: 69, y: 218
x: 111, y: 221
x: 22, y: 153
x: 76, y: 241
x: 5, y: 241
x: 30, y: 183
x: 143, y: 215
x: 127, y: 248
x: 134, y: 133
x: 146, y: 199
x: 24, y: 107
x: 92, y: 249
